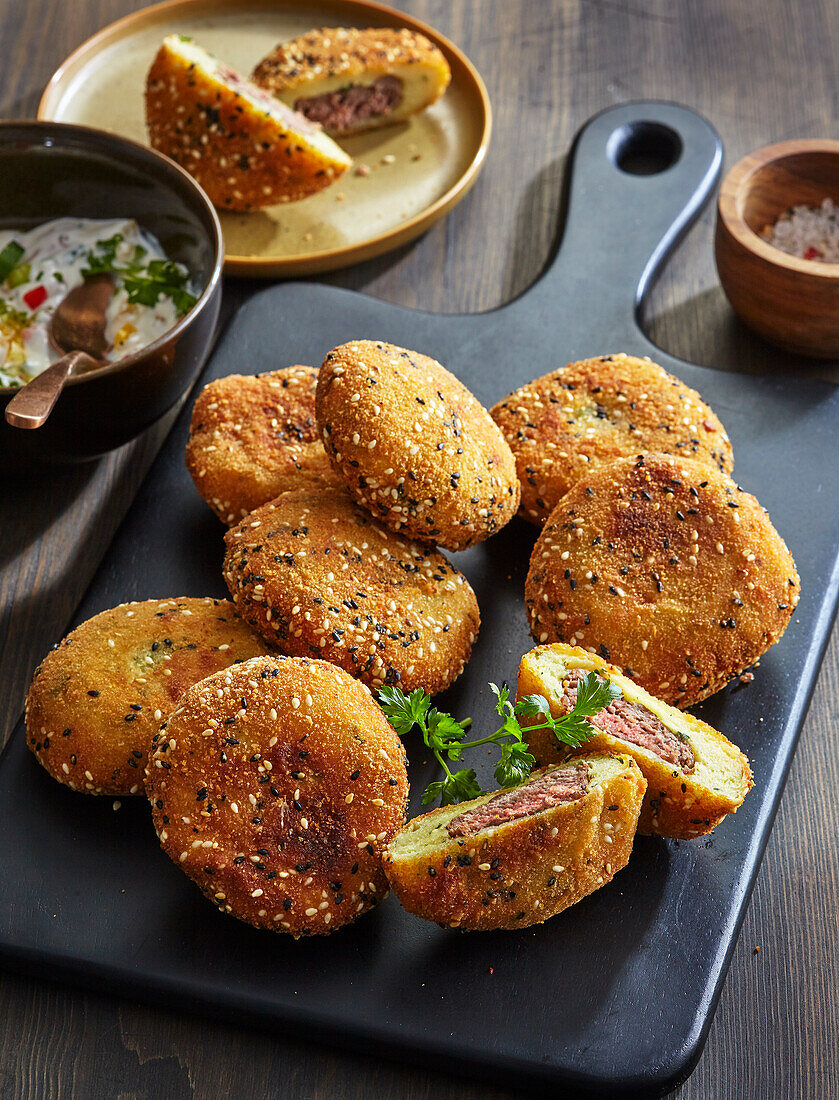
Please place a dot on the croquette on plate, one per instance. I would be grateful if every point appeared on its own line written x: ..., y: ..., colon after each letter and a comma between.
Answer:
x: 349, y: 79
x: 245, y: 148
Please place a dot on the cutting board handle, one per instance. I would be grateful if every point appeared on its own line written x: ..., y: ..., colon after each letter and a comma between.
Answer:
x: 639, y: 175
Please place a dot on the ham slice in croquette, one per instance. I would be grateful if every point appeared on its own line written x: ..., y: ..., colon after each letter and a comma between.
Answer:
x: 695, y: 776
x: 348, y: 79
x: 317, y: 576
x: 253, y: 437
x: 666, y: 568
x: 519, y: 856
x: 275, y: 786
x: 245, y: 148
x: 100, y: 695
x: 562, y: 426
x: 414, y: 446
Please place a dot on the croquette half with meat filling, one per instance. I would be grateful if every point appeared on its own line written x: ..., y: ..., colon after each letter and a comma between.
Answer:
x: 245, y: 148
x: 517, y: 857
x: 695, y: 776
x: 348, y: 79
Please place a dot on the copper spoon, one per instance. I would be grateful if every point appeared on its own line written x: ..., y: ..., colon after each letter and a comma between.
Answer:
x: 77, y: 330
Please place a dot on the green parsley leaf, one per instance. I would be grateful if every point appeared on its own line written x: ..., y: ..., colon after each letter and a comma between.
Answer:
x: 445, y: 736
x: 404, y: 711
x: 515, y: 765
x: 594, y: 692
x: 143, y: 285
x: 531, y: 705
x: 502, y: 695
x: 442, y: 726
x: 462, y: 786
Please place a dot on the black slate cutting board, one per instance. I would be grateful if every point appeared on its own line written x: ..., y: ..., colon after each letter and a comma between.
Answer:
x: 616, y: 994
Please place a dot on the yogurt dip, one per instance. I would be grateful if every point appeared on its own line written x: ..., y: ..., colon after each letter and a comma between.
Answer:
x: 39, y: 267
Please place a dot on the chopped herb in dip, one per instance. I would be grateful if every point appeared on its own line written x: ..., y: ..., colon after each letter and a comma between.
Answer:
x: 39, y: 267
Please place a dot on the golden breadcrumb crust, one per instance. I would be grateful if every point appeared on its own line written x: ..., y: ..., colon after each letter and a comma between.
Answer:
x: 318, y: 577
x: 253, y: 437
x: 100, y: 695
x: 667, y: 568
x: 414, y: 446
x: 276, y: 786
x: 676, y: 804
x: 241, y: 154
x: 562, y: 426
x: 308, y: 65
x: 525, y: 871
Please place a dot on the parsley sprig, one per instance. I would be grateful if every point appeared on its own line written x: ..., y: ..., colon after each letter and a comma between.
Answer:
x: 444, y: 735
x: 143, y: 282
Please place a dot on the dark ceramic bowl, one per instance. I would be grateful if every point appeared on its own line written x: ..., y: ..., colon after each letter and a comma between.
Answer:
x: 51, y: 170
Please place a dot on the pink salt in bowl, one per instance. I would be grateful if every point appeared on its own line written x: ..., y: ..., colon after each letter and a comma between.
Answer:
x: 788, y: 300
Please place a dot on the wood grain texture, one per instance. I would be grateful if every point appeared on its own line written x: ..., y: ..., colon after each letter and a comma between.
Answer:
x: 761, y: 73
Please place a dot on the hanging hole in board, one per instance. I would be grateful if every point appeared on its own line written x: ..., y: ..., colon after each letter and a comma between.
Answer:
x: 644, y: 148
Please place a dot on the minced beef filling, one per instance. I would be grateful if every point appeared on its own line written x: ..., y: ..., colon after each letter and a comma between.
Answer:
x: 552, y: 789
x: 635, y: 724
x: 346, y: 107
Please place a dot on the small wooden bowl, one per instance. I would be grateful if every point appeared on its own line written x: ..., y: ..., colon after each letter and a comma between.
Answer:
x: 791, y: 302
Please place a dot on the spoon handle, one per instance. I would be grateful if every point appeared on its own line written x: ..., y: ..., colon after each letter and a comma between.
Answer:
x: 31, y: 406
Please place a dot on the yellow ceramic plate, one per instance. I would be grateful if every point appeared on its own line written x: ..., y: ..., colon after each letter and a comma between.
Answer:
x: 419, y: 169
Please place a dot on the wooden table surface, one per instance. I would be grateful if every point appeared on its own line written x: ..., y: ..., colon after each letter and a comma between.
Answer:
x: 760, y: 72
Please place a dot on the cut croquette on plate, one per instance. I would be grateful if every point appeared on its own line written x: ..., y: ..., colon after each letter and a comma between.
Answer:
x: 562, y: 426
x: 275, y: 786
x: 527, y: 853
x: 666, y: 568
x: 695, y: 776
x: 348, y: 79
x: 100, y: 695
x: 317, y: 576
x: 245, y: 148
x: 414, y: 446
x: 253, y: 437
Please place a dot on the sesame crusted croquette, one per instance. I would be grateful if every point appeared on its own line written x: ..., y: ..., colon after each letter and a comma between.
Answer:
x: 667, y: 569
x: 562, y: 426
x: 275, y: 786
x: 349, y: 79
x: 245, y: 148
x: 100, y: 695
x: 317, y: 576
x: 414, y: 446
x: 695, y: 776
x: 253, y: 437
x: 517, y: 857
